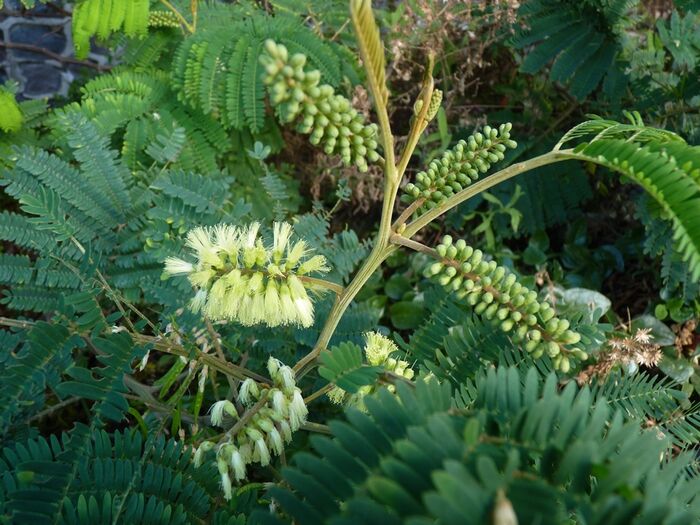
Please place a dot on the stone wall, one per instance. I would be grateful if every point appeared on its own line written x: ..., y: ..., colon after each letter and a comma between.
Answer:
x: 36, y: 49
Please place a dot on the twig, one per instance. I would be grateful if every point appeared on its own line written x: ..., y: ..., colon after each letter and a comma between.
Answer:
x: 220, y: 352
x: 323, y: 390
x: 16, y: 323
x: 55, y: 56
x: 50, y: 410
x: 406, y: 214
x: 178, y: 15
x: 248, y: 415
x: 336, y: 288
x: 414, y: 245
x: 316, y: 427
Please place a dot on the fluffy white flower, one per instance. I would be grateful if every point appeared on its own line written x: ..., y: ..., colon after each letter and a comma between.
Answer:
x: 226, y: 485
x: 226, y: 239
x: 198, y: 301
x: 273, y: 365
x: 250, y: 235
x: 199, y: 240
x: 238, y: 465
x: 286, y: 430
x: 286, y: 376
x: 248, y: 392
x: 279, y: 403
x: 218, y: 409
x: 317, y: 263
x: 176, y: 266
x: 305, y: 312
x: 262, y: 452
x: 297, y: 410
x: 276, y: 441
x: 282, y: 231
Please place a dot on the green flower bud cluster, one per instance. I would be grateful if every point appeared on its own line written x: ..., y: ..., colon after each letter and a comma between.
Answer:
x: 378, y: 351
x: 328, y: 117
x: 267, y: 431
x: 495, y: 294
x: 433, y: 107
x: 238, y: 277
x: 162, y: 18
x: 459, y: 167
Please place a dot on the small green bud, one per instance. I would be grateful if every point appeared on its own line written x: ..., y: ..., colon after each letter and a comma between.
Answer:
x: 552, y: 349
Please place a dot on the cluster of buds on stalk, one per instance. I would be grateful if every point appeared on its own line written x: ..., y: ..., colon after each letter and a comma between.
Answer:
x: 378, y: 351
x: 162, y: 18
x: 433, y: 108
x: 265, y: 434
x: 459, y: 167
x: 494, y: 293
x: 237, y: 277
x: 328, y: 117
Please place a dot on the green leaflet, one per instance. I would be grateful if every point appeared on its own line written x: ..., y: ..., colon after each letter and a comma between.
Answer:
x: 415, y: 460
x: 343, y: 366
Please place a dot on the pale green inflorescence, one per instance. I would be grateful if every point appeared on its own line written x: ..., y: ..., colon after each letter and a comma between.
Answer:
x: 378, y: 351
x: 459, y: 167
x: 495, y: 293
x: 238, y: 277
x: 328, y: 117
x: 267, y: 431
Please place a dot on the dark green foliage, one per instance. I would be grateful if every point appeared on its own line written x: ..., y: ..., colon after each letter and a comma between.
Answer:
x: 551, y: 196
x: 223, y: 76
x: 141, y: 112
x: 416, y: 459
x: 111, y: 478
x: 583, y: 39
x: 86, y: 214
x: 105, y: 384
x: 669, y: 173
x: 111, y: 383
x: 32, y: 362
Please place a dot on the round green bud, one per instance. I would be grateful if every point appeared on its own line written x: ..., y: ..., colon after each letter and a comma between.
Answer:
x: 552, y: 349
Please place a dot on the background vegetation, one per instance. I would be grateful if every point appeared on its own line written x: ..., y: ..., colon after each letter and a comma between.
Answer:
x: 109, y: 377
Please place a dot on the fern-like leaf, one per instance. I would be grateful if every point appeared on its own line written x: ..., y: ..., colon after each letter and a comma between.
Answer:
x: 371, y: 47
x: 343, y: 366
x: 669, y: 173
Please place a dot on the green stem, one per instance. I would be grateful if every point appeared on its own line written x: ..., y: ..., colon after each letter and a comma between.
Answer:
x: 382, y: 249
x: 382, y: 246
x: 420, y: 121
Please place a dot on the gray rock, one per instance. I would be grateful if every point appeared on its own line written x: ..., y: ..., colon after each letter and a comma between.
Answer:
x: 46, y: 37
x: 41, y: 80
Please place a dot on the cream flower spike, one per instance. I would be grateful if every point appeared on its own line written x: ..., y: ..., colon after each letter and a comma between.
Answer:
x: 238, y: 277
x: 378, y: 348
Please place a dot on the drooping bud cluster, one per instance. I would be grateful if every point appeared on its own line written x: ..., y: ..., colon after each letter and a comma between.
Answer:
x: 238, y: 278
x: 328, y: 117
x: 10, y: 115
x: 459, y: 167
x: 495, y: 294
x: 162, y: 18
x: 378, y: 351
x: 267, y: 431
